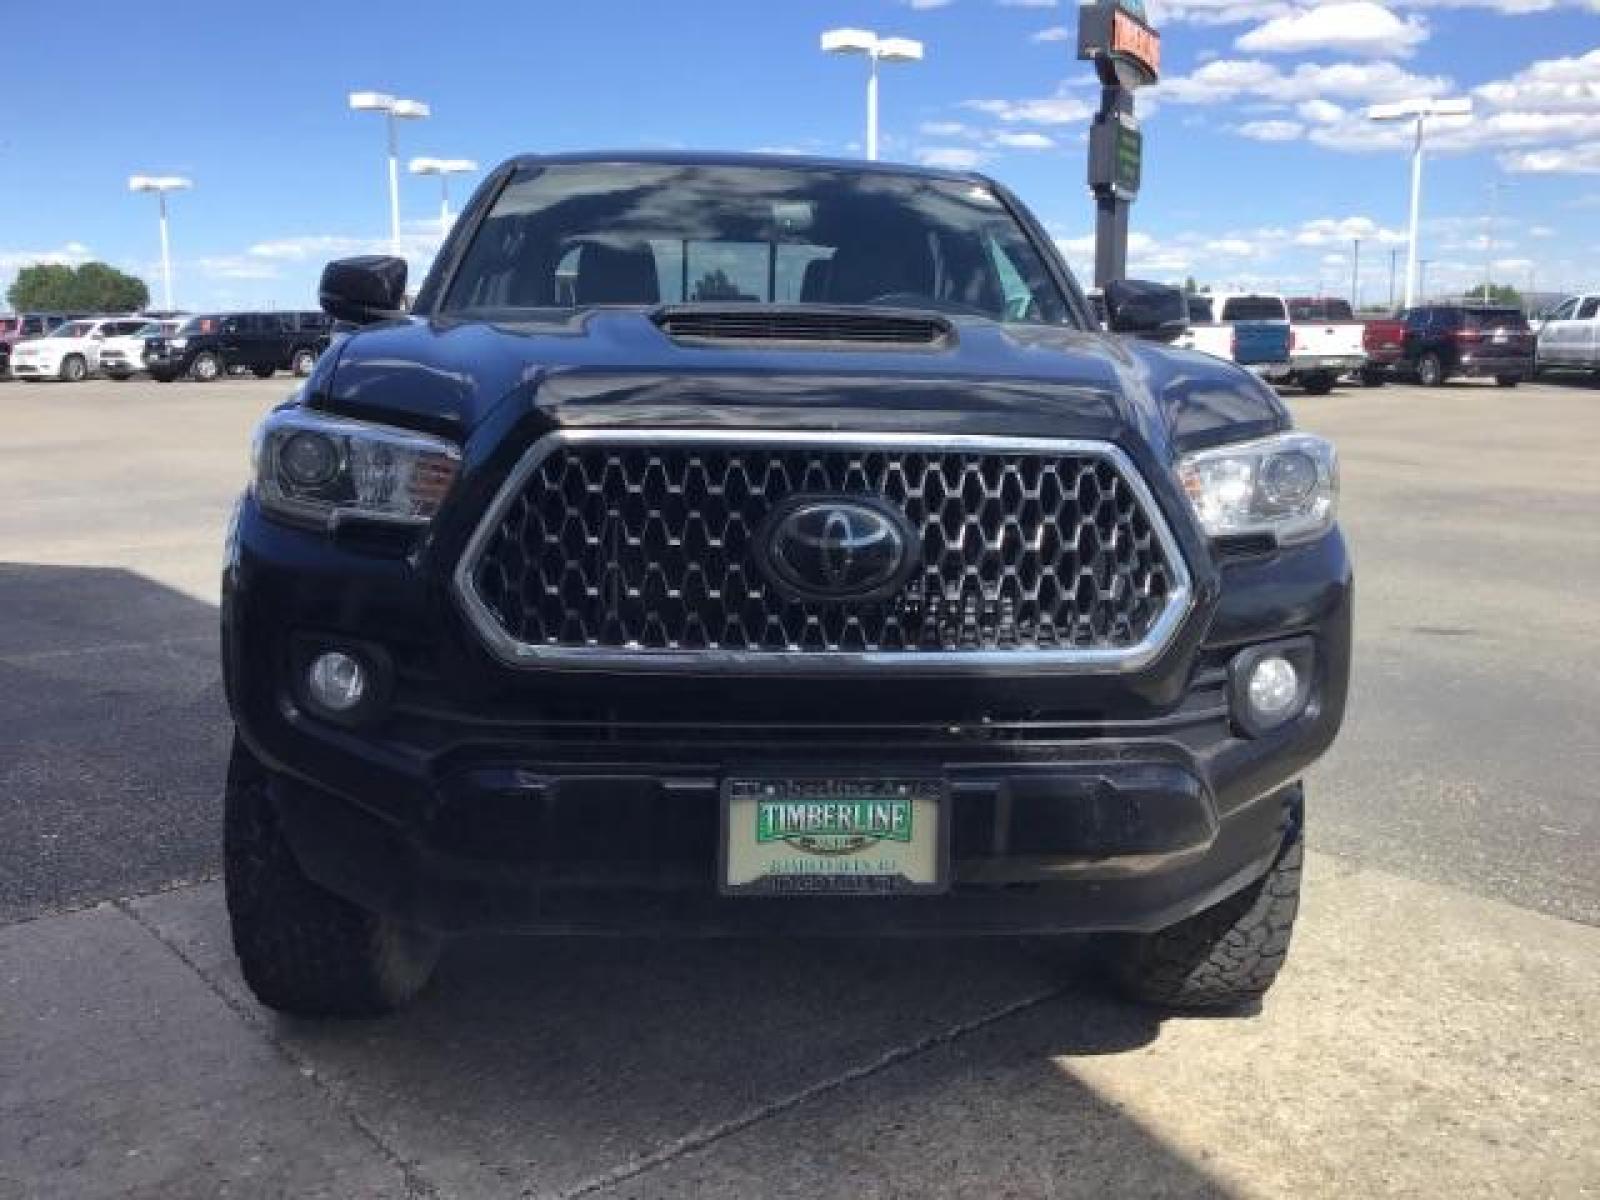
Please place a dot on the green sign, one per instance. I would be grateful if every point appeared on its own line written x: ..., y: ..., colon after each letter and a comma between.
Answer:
x: 1127, y: 158
x: 873, y: 820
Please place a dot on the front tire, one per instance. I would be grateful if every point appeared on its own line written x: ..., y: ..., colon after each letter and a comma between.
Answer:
x: 302, y: 949
x: 1318, y: 383
x: 1372, y: 377
x: 1225, y: 957
x: 1430, y: 371
x: 205, y: 367
x: 74, y: 369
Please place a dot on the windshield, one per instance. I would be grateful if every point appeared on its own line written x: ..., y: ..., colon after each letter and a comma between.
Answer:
x: 1320, y: 310
x: 574, y: 235
x: 1493, y: 318
x: 198, y: 325
x: 74, y: 329
x: 1253, y: 308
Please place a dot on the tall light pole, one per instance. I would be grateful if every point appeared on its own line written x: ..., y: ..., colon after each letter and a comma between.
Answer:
x: 161, y: 185
x: 443, y: 168
x: 1495, y: 187
x: 877, y: 49
x: 1418, y: 112
x: 393, y: 110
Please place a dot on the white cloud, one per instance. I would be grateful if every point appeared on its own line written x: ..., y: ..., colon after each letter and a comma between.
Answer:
x: 1342, y: 230
x: 1061, y: 109
x: 1055, y: 33
x: 1026, y: 3
x: 1541, y: 231
x: 1319, y: 111
x: 1232, y: 79
x: 1272, y: 131
x: 1551, y: 85
x: 945, y: 129
x: 1573, y: 160
x: 1023, y: 141
x: 1334, y: 260
x: 1351, y: 26
x: 954, y: 158
x: 70, y: 254
x: 237, y: 266
x: 928, y: 3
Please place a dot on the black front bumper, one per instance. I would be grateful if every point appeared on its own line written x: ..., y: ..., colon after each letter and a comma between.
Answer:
x: 487, y: 797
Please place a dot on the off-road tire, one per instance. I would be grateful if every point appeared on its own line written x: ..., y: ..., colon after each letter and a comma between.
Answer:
x: 1223, y: 958
x: 74, y: 369
x: 1430, y: 371
x: 162, y: 376
x: 206, y: 367
x: 303, y: 362
x: 1372, y: 378
x: 302, y: 949
x: 1318, y: 383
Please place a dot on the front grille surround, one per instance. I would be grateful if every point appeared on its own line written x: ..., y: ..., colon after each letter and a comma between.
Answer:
x: 1109, y: 462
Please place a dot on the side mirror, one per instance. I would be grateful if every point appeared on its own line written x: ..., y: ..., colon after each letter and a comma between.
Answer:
x: 364, y: 290
x: 1146, y: 310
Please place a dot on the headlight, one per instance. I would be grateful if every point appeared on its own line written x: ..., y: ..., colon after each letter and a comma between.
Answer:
x: 178, y: 343
x: 322, y: 470
x: 1286, y: 486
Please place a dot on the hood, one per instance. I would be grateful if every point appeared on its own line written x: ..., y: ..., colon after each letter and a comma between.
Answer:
x: 617, y: 367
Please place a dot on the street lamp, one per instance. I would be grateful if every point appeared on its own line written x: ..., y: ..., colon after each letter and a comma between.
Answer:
x: 161, y: 185
x: 443, y: 168
x: 393, y: 110
x: 1418, y: 112
x: 877, y: 49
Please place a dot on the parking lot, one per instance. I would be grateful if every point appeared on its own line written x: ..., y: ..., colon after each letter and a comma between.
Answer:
x: 1433, y: 1033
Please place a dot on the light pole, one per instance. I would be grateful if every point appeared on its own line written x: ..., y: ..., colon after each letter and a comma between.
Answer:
x: 1495, y: 188
x: 161, y: 185
x: 392, y: 110
x: 1418, y: 112
x: 877, y: 49
x: 1355, y: 278
x: 443, y: 168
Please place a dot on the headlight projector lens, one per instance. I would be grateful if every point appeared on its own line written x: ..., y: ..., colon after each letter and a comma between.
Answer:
x: 308, y: 460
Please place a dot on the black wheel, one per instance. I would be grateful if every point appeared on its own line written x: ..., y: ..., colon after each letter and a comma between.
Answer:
x: 1372, y: 377
x: 1318, y: 383
x: 302, y: 363
x: 263, y: 372
x: 302, y: 949
x: 162, y: 376
x: 1430, y: 371
x: 1224, y: 957
x: 1507, y: 380
x: 205, y: 367
x: 74, y: 368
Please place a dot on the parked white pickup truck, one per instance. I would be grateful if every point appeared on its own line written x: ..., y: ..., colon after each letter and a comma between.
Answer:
x: 1251, y: 330
x: 1569, y: 336
x: 1327, y: 342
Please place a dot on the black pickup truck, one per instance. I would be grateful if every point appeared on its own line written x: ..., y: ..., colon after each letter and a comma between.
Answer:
x: 728, y: 544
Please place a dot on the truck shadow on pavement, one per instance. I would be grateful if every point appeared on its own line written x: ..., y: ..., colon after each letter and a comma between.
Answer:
x: 554, y: 1066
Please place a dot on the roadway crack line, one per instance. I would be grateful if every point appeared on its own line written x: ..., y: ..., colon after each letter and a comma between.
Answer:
x: 418, y: 1186
x: 700, y: 1139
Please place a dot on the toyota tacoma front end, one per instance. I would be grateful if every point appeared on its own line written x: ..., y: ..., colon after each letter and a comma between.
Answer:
x: 770, y: 546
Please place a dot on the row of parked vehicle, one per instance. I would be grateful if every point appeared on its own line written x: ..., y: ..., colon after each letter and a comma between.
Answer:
x: 1313, y: 342
x: 71, y: 347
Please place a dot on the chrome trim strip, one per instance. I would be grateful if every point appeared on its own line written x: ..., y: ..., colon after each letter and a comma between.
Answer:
x: 813, y: 662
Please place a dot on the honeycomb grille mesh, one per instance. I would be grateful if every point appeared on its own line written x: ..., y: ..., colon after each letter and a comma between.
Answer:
x: 634, y: 547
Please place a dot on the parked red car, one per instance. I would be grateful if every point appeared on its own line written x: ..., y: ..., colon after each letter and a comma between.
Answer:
x: 1384, y: 340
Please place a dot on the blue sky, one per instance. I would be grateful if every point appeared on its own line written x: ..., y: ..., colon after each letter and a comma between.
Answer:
x: 1259, y: 169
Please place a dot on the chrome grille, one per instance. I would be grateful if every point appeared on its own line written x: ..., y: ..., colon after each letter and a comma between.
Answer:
x: 639, y: 545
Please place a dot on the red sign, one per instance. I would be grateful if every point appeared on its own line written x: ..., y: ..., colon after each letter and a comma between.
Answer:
x: 1131, y: 38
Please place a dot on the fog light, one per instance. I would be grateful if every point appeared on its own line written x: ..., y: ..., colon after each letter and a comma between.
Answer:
x: 1273, y: 689
x: 336, y: 681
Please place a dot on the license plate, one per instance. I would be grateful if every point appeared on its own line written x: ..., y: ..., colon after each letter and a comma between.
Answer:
x: 820, y: 836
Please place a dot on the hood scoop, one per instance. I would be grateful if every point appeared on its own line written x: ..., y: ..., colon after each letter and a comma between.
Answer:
x: 807, y: 324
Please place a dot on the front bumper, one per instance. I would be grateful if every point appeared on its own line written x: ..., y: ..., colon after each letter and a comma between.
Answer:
x: 488, y: 797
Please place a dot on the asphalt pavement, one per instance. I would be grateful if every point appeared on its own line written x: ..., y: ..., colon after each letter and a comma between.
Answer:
x: 1433, y: 1034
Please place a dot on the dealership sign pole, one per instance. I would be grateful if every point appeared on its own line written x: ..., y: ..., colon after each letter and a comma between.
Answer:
x: 1126, y: 52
